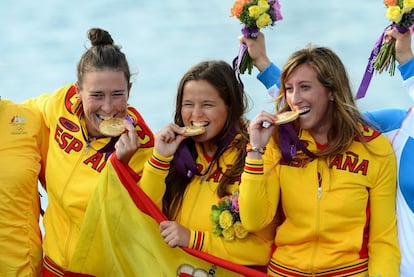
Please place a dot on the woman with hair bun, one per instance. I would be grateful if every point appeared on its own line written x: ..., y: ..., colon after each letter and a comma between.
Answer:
x: 79, y: 149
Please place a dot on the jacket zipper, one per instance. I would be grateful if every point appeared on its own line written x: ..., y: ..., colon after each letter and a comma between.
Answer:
x: 317, y: 222
x: 69, y: 239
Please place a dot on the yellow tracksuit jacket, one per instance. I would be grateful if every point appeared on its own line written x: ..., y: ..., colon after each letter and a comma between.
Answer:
x: 200, y: 195
x: 73, y: 168
x: 21, y: 145
x: 340, y: 213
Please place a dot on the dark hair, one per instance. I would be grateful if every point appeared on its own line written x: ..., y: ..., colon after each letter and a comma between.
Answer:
x: 220, y: 75
x: 103, y: 54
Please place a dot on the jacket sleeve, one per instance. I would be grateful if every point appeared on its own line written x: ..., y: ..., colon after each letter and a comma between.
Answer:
x: 43, y: 144
x: 238, y: 250
x: 407, y: 73
x: 47, y: 103
x: 153, y: 177
x: 252, y: 250
x: 45, y: 106
x: 385, y: 120
x: 390, y: 119
x: 259, y: 190
x: 383, y: 249
x: 270, y: 78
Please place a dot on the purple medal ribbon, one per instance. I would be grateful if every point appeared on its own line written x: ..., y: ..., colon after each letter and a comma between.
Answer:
x: 289, y: 142
x: 369, y: 71
x: 248, y: 33
x: 185, y: 157
x: 242, y: 50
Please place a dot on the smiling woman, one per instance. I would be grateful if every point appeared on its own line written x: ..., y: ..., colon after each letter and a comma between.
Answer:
x: 78, y: 151
x: 345, y: 171
x: 104, y: 95
x: 208, y: 95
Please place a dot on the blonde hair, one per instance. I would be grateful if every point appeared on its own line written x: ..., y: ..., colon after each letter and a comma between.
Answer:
x: 331, y: 73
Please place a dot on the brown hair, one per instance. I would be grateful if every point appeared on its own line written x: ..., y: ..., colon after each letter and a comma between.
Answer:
x: 220, y: 75
x: 103, y: 54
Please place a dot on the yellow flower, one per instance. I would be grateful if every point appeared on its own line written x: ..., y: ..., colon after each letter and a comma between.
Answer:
x: 228, y: 234
x: 264, y: 20
x: 226, y: 219
x: 241, y: 233
x: 408, y: 5
x: 394, y: 14
x: 254, y: 11
x: 263, y: 6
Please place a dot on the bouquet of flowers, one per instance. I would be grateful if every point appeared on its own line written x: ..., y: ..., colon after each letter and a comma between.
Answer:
x: 401, y: 13
x: 254, y: 14
x: 226, y: 218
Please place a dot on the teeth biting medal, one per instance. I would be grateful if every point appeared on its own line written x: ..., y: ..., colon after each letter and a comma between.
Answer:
x: 286, y: 117
x: 194, y: 130
x: 112, y: 127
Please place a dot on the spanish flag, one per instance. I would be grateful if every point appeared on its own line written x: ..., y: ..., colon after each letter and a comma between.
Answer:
x: 120, y: 236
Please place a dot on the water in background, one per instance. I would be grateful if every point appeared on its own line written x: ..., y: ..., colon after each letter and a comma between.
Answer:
x: 42, y: 41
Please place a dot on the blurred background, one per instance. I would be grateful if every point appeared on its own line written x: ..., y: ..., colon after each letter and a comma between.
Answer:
x: 42, y: 42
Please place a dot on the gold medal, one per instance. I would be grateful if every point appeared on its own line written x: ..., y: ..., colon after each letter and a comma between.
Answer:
x: 194, y: 131
x: 286, y: 117
x: 112, y: 127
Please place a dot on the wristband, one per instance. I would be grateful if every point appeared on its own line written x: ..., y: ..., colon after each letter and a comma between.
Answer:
x: 251, y: 148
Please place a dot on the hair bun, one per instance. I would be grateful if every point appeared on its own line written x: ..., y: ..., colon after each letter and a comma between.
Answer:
x: 98, y: 36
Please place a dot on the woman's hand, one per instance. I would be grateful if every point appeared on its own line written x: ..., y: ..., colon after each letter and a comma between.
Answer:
x: 174, y: 234
x: 128, y: 143
x: 402, y: 46
x: 257, y: 50
x: 168, y: 139
x: 260, y: 131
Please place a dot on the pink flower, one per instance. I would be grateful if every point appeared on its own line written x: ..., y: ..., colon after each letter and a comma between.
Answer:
x: 235, y: 203
x: 276, y: 7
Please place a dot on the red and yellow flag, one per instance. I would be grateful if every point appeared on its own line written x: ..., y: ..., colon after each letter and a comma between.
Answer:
x: 120, y: 236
